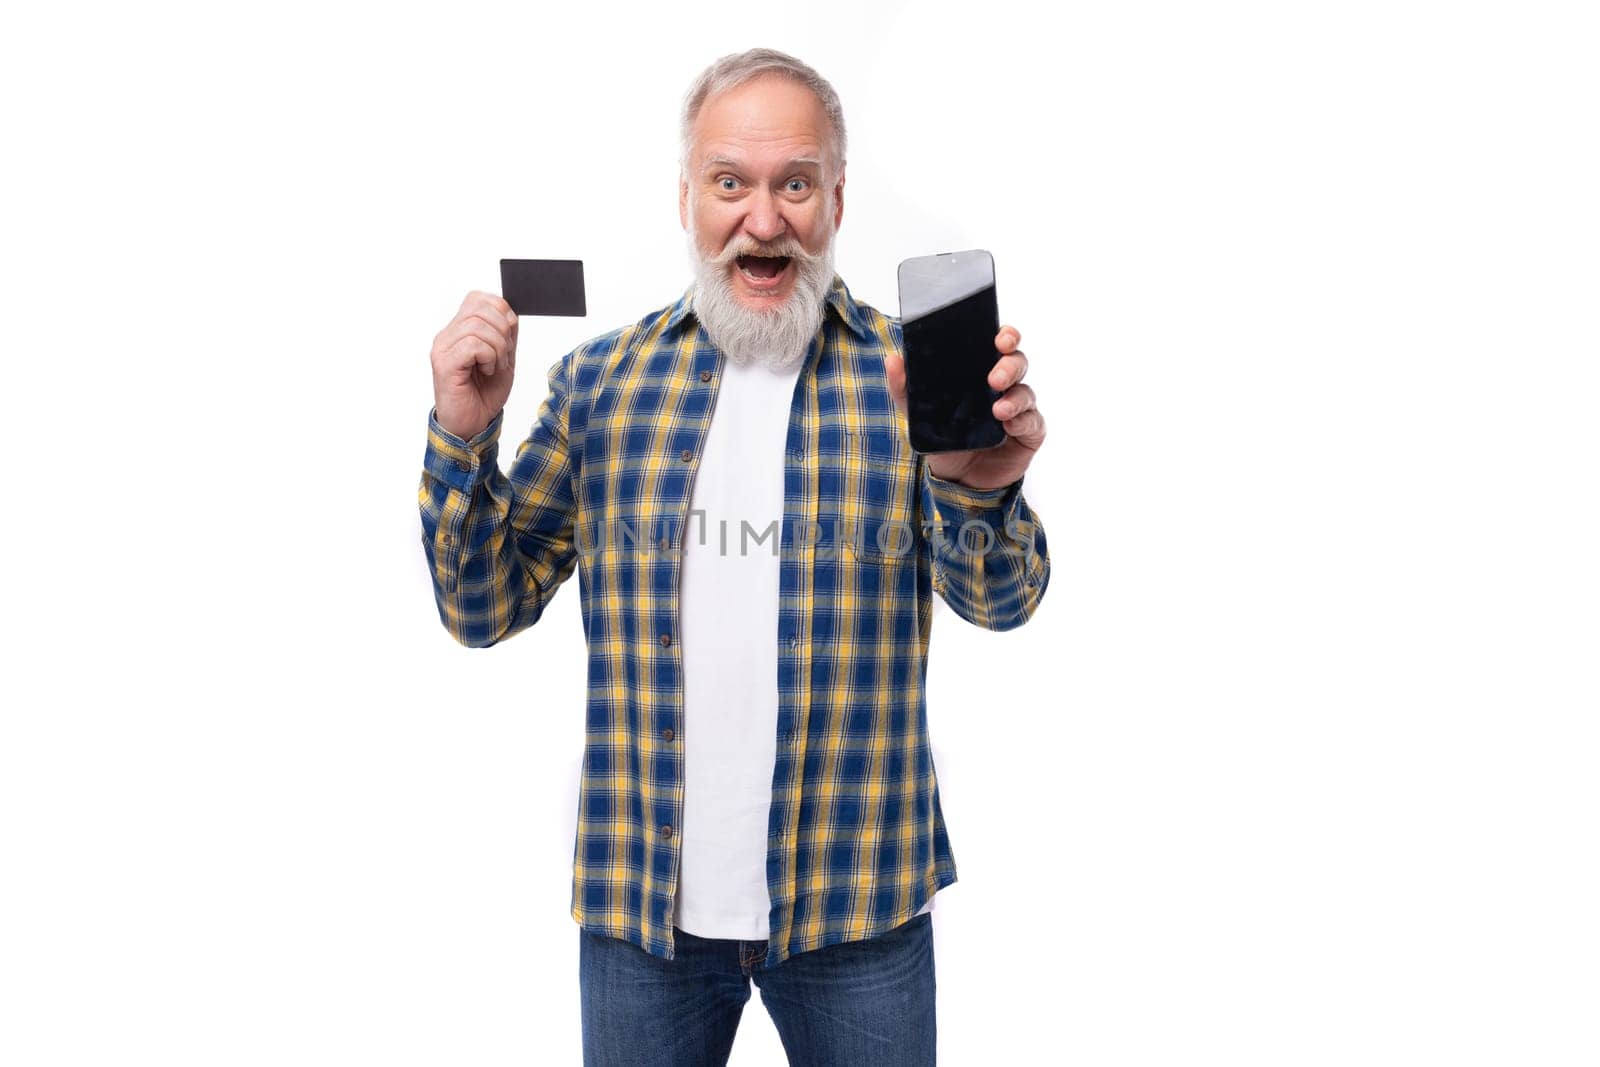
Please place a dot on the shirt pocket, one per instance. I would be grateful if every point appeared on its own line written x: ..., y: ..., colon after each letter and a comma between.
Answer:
x: 880, y: 480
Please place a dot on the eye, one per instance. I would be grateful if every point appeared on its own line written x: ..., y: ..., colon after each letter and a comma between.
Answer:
x: 726, y: 183
x: 798, y: 185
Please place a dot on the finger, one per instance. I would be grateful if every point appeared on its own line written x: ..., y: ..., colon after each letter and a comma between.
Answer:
x: 1027, y: 428
x: 1014, y: 402
x: 491, y: 318
x: 1008, y: 338
x: 1008, y: 370
x: 894, y: 368
x: 493, y: 308
x: 476, y: 327
x: 473, y: 353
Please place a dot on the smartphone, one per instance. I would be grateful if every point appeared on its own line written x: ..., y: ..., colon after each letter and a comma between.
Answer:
x: 949, y: 317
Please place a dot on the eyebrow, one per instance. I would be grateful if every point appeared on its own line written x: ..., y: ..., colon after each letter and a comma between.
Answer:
x: 726, y: 161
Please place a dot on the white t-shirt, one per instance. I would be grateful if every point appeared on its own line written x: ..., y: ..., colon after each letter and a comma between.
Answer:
x: 728, y: 598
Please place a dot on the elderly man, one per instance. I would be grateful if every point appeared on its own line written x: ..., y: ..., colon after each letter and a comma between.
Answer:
x: 731, y: 476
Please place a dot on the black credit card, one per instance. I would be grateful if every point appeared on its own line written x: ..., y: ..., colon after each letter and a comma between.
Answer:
x: 543, y: 286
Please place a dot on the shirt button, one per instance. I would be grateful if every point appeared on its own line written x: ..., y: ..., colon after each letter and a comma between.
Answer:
x: 666, y: 735
x: 449, y: 542
x: 666, y: 639
x: 663, y: 544
x: 686, y: 455
x: 666, y: 831
x: 705, y: 376
x: 463, y: 465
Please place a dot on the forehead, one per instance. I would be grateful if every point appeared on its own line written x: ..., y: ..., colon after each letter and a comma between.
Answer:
x: 767, y: 119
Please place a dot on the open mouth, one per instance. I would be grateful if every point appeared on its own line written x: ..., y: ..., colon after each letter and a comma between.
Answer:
x: 763, y: 270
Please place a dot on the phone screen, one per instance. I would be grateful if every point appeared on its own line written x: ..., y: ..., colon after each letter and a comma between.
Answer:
x: 949, y: 317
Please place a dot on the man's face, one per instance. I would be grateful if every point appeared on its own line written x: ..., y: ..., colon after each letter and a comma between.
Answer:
x: 754, y: 184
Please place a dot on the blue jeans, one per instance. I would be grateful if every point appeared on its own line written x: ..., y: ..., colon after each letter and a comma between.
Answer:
x: 855, y: 1002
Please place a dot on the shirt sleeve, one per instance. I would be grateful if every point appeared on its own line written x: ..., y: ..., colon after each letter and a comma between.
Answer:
x: 499, y: 547
x: 991, y: 562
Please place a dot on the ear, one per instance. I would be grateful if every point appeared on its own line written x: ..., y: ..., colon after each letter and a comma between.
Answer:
x: 838, y: 201
x: 683, y: 202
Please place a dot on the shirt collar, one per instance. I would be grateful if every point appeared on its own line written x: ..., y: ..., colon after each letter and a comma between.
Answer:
x: 838, y: 298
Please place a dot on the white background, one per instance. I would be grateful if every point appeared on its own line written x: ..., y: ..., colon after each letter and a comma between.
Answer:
x: 1296, y: 763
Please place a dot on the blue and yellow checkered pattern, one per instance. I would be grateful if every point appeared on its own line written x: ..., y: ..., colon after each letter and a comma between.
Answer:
x: 856, y: 839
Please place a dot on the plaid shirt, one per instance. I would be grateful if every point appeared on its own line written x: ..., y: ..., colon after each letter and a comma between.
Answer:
x: 856, y: 840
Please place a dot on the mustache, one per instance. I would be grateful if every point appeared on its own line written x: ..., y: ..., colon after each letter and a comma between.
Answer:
x: 749, y: 246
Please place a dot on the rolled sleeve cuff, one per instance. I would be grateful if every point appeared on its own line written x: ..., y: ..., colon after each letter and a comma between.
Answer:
x: 956, y: 509
x: 967, y: 500
x: 462, y: 463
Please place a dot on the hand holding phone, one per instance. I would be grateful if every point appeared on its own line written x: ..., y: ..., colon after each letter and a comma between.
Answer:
x: 970, y: 389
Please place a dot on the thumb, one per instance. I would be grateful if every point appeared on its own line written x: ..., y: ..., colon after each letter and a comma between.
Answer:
x: 894, y: 368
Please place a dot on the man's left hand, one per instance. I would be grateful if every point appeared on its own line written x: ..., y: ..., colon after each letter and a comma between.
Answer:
x: 989, y: 468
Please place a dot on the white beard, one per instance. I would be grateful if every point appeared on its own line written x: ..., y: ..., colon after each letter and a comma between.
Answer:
x: 776, y: 338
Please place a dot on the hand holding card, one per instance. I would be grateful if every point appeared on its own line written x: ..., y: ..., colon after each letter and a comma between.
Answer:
x: 475, y: 356
x: 474, y: 359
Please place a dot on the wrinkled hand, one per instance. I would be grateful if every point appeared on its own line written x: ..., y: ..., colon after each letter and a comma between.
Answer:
x: 474, y: 360
x: 989, y: 468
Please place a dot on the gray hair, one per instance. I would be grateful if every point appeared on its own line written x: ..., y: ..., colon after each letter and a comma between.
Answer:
x: 731, y: 71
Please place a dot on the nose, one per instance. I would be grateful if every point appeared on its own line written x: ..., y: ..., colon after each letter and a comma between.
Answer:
x: 763, y: 223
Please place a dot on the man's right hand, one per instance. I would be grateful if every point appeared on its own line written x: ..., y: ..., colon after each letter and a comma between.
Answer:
x: 474, y: 362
